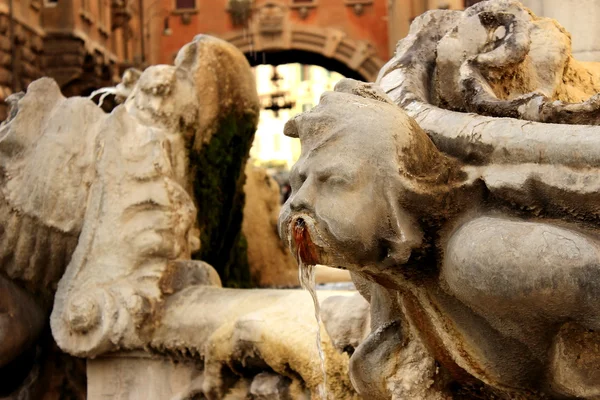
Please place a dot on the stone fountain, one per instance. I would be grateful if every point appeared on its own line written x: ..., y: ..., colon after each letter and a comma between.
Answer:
x: 461, y: 190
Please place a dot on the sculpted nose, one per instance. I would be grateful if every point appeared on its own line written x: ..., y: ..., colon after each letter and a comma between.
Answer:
x: 303, y: 199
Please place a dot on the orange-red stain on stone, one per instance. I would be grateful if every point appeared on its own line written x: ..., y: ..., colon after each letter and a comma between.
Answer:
x: 305, y: 249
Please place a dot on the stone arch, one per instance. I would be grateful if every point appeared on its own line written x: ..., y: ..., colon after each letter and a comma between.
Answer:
x: 327, y: 47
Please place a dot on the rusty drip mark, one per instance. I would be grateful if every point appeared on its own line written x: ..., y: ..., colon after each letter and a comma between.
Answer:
x: 306, y: 250
x: 432, y: 341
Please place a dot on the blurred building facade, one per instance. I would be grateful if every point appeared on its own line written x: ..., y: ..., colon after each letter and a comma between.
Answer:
x: 82, y: 44
x: 347, y: 36
x: 302, y: 83
x: 313, y: 43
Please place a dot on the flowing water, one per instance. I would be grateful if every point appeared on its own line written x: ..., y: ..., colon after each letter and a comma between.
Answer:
x: 306, y: 274
x: 105, y: 92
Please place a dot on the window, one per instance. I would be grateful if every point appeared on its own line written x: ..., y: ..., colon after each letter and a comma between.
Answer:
x: 185, y: 4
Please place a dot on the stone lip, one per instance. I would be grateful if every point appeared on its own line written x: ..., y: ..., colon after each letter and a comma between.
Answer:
x: 304, y: 239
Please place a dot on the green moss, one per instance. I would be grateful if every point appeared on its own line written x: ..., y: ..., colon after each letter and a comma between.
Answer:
x: 218, y: 189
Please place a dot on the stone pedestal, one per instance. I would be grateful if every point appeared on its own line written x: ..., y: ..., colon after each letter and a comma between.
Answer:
x: 141, y: 376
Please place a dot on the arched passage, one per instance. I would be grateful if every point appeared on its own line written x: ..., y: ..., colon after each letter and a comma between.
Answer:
x: 304, y: 57
x: 326, y: 47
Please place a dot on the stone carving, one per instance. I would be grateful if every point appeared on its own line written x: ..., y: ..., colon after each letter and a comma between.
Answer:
x: 240, y: 11
x: 270, y: 18
x: 495, y: 58
x: 99, y: 216
x: 104, y: 202
x: 474, y: 239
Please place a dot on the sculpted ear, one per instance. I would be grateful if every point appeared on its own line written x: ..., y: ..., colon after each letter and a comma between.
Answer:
x: 403, y: 235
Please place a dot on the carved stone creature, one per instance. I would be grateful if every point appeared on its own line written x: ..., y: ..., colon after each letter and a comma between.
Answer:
x: 99, y: 217
x: 104, y: 203
x: 474, y: 238
x: 483, y: 280
x: 496, y: 58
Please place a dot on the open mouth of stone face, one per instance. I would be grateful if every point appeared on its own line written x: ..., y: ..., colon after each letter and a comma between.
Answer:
x: 312, y: 244
x: 306, y: 251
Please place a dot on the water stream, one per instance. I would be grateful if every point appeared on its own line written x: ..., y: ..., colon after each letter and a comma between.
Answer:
x: 306, y: 274
x: 105, y: 92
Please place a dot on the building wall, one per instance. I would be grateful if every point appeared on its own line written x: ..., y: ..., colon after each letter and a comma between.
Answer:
x: 211, y: 17
x: 83, y: 48
x: 82, y: 44
x: 22, y: 63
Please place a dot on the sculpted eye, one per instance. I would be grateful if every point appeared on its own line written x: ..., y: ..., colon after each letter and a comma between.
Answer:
x: 334, y: 180
x: 339, y: 180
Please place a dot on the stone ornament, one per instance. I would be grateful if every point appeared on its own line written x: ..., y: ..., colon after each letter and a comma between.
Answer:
x: 495, y: 58
x: 103, y: 202
x: 473, y: 237
x: 99, y: 218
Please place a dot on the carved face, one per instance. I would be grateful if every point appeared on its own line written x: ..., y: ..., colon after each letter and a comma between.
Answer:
x: 345, y: 209
x: 164, y: 95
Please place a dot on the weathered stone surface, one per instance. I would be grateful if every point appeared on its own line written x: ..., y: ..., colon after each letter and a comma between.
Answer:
x: 266, y: 386
x: 496, y: 58
x: 475, y: 269
x: 105, y: 202
x: 240, y: 333
x: 578, y: 17
x: 347, y: 321
x: 141, y: 376
x: 226, y: 94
